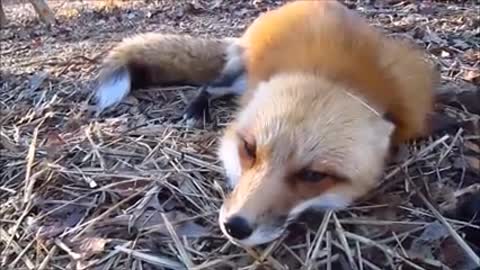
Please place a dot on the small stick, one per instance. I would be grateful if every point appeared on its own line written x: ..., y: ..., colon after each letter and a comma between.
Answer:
x: 341, y: 234
x: 384, y: 248
x: 29, y: 181
x: 49, y: 256
x: 329, y: 251
x: 312, y: 252
x: 181, y: 249
x: 155, y: 260
x: 468, y: 250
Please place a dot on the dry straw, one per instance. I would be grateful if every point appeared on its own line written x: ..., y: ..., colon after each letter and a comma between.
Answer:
x: 137, y: 190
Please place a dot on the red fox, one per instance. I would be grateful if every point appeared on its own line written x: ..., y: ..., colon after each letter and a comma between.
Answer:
x: 323, y: 97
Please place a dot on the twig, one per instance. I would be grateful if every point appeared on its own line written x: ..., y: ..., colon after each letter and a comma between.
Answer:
x: 47, y: 258
x: 313, y: 250
x: 20, y: 256
x: 181, y: 249
x: 155, y: 260
x: 3, y: 236
x: 341, y: 234
x: 468, y: 250
x: 29, y: 182
x: 89, y: 224
x: 25, y: 212
x: 329, y: 250
x: 384, y: 248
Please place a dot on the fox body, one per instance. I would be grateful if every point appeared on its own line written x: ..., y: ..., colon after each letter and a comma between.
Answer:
x: 323, y: 98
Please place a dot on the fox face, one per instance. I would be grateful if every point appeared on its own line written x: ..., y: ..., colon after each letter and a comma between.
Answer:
x: 299, y: 142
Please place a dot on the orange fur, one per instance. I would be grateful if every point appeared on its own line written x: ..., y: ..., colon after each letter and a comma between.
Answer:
x: 325, y: 38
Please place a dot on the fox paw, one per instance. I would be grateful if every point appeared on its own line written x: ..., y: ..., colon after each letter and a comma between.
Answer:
x: 197, y: 111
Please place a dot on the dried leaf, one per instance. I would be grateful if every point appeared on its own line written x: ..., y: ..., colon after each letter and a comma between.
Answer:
x: 473, y: 162
x: 6, y: 143
x: 47, y: 232
x: 473, y: 159
x: 461, y: 44
x: 429, y: 241
x: 62, y: 219
x: 37, y: 79
x: 432, y: 37
x: 90, y: 246
x: 470, y: 100
x: 54, y: 145
x: 190, y: 229
x: 442, y: 123
x: 152, y: 220
x: 453, y: 256
x: 195, y: 6
x: 472, y: 76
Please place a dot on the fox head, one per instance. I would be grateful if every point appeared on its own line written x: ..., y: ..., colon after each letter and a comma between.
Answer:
x: 301, y: 142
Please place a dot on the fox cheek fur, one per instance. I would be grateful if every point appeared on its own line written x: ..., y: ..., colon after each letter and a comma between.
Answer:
x: 267, y: 197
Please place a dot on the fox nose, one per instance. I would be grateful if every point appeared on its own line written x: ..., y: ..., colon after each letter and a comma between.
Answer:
x: 238, y: 227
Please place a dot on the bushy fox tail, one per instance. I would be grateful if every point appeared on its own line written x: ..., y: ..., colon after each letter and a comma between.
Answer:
x: 158, y: 59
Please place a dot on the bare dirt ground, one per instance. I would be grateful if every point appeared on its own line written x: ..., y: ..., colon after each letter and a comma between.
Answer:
x: 136, y: 190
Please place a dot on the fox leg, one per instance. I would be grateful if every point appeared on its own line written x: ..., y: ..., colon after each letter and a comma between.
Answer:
x: 231, y: 81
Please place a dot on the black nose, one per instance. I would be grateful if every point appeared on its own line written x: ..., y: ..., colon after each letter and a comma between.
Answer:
x: 238, y: 227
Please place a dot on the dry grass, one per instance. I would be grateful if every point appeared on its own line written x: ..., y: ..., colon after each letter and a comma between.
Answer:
x: 137, y: 190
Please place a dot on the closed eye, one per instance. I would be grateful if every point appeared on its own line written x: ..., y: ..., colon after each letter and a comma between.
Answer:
x: 250, y: 148
x: 311, y: 175
x: 247, y: 149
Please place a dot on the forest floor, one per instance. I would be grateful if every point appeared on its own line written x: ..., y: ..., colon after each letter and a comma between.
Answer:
x: 134, y: 189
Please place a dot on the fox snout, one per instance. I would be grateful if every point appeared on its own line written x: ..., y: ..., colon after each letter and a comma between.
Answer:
x: 251, y: 228
x: 259, y: 209
x: 238, y: 227
x: 248, y: 215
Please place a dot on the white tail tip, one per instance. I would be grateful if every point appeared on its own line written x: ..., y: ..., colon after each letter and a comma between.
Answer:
x: 112, y: 89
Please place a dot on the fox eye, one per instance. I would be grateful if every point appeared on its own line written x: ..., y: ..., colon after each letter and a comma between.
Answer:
x: 250, y: 148
x: 312, y: 176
